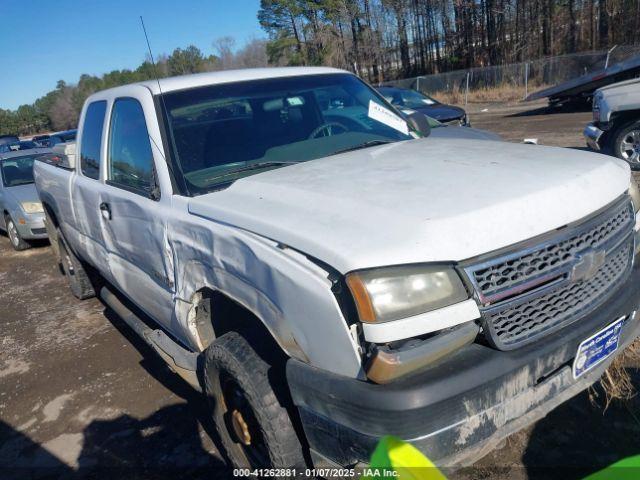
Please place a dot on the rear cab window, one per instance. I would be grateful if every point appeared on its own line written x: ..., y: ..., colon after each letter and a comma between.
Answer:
x: 91, y: 141
x: 130, y: 158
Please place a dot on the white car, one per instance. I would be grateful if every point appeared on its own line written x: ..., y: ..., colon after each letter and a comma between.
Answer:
x: 328, y: 273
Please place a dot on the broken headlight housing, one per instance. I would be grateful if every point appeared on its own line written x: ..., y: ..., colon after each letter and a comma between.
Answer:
x: 392, y: 293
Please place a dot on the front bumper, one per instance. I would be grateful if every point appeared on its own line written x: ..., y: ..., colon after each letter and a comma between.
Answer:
x: 32, y: 226
x: 593, y: 136
x: 460, y: 408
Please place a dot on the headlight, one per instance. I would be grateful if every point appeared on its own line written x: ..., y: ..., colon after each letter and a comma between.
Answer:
x: 32, y: 207
x: 391, y: 293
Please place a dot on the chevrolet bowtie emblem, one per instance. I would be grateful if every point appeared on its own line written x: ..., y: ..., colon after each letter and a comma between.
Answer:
x: 587, y: 265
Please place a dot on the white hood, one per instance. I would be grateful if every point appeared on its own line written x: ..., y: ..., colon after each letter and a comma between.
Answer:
x: 416, y: 201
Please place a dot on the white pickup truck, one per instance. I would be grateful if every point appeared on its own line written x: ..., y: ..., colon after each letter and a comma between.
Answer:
x: 327, y: 275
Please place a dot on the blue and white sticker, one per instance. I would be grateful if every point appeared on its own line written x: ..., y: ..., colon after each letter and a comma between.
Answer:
x: 383, y: 115
x: 597, y: 348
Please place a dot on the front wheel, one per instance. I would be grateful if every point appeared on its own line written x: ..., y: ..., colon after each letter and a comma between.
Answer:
x: 14, y: 235
x: 254, y: 428
x: 626, y: 144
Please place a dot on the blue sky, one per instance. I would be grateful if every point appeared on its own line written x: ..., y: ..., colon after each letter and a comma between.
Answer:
x: 42, y: 42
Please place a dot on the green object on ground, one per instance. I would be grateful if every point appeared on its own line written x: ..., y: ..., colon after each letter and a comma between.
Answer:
x: 395, y: 458
x: 625, y: 469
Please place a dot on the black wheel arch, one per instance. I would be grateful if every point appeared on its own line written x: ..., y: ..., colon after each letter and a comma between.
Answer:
x: 618, y: 122
x: 216, y: 313
x: 624, y: 118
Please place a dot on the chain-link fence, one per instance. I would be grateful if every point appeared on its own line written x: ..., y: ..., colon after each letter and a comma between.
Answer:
x: 514, y: 81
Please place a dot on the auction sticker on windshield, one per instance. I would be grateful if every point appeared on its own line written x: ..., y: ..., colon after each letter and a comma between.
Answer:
x: 382, y: 115
x: 597, y: 348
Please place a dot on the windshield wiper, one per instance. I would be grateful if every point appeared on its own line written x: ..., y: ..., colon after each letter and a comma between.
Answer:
x: 370, y: 143
x: 252, y: 166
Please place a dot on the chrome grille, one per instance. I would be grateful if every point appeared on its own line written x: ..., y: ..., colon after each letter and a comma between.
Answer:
x: 545, y: 286
x: 502, y: 276
x: 518, y: 323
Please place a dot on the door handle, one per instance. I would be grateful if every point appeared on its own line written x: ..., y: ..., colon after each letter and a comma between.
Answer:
x: 105, y: 210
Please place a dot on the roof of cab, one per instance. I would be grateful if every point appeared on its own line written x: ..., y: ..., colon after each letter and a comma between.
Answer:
x: 182, y: 82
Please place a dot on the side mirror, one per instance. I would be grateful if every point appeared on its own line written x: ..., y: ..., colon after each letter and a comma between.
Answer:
x: 420, y: 123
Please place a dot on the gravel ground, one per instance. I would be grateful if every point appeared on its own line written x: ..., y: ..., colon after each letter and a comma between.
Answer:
x: 79, y: 391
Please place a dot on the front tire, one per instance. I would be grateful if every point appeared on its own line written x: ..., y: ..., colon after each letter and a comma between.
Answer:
x: 254, y: 428
x: 14, y: 236
x: 626, y: 144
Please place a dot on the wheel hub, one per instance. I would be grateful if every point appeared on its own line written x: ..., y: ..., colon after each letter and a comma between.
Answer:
x: 240, y: 427
x: 630, y: 146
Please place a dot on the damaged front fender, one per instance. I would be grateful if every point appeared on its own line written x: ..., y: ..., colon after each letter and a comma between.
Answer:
x: 289, y: 293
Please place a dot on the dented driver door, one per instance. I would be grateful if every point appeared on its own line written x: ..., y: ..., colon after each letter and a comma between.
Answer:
x: 134, y: 214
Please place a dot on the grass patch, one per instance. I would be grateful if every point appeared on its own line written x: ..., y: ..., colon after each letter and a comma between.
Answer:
x: 616, y: 382
x: 503, y: 93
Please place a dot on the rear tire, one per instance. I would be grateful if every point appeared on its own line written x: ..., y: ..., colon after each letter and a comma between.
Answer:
x: 255, y: 430
x: 79, y: 281
x: 14, y: 235
x: 52, y: 233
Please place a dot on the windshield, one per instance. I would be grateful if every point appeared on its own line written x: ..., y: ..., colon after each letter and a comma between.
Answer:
x: 18, y: 170
x: 224, y: 132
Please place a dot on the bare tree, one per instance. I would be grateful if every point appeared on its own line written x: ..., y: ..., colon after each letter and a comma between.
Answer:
x: 252, y: 55
x: 63, y: 114
x: 223, y: 46
x: 388, y: 38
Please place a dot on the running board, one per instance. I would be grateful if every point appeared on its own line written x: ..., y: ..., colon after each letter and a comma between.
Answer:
x: 181, y: 361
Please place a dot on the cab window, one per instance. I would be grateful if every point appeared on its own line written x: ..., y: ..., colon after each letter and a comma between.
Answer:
x: 130, y: 155
x: 91, y: 141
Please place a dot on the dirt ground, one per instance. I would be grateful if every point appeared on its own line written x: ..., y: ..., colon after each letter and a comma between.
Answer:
x: 79, y: 391
x: 531, y: 120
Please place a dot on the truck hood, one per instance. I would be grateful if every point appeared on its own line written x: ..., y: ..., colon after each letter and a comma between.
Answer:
x: 469, y: 133
x: 441, y: 112
x: 632, y: 84
x: 426, y: 200
x: 623, y: 96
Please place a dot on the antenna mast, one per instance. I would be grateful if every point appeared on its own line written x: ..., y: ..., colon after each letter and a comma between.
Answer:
x: 170, y: 165
x: 153, y: 63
